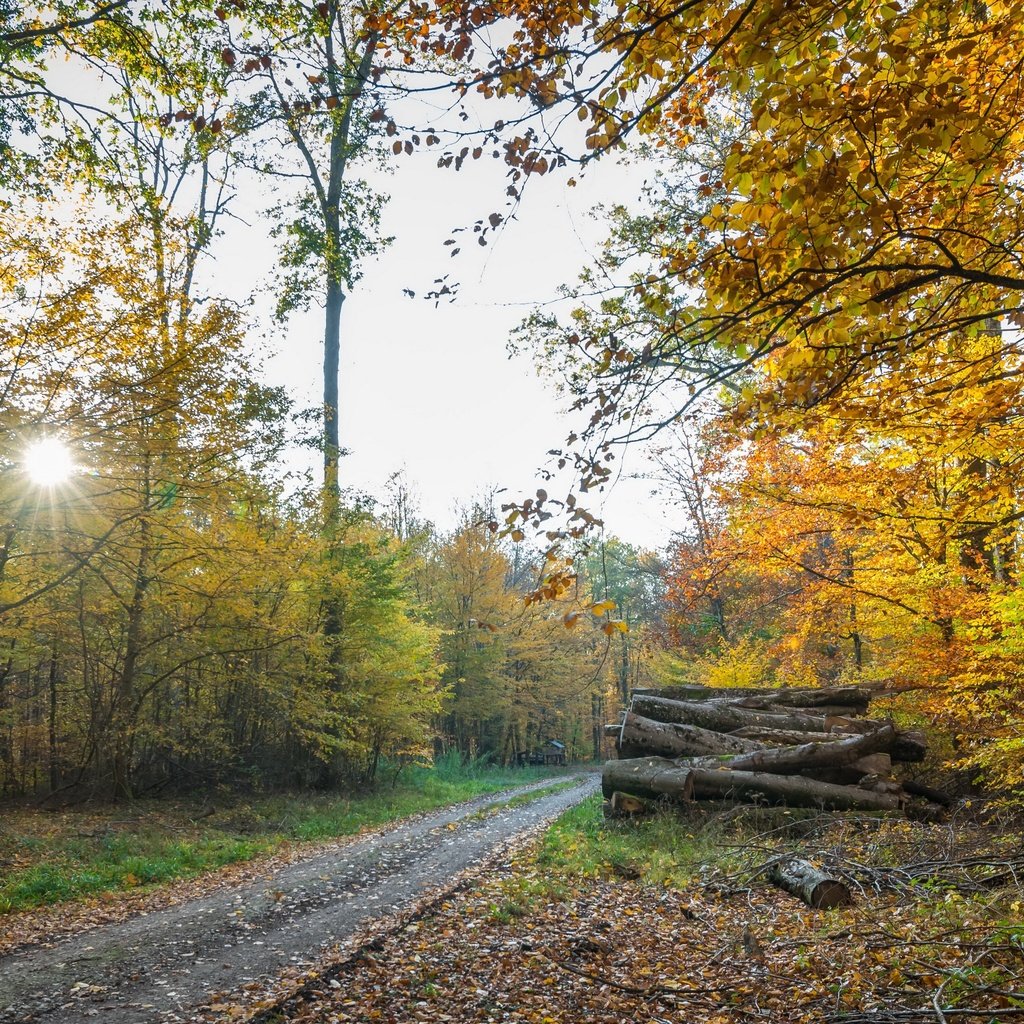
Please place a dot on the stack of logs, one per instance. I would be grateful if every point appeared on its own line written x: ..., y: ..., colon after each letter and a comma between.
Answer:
x: 799, y: 747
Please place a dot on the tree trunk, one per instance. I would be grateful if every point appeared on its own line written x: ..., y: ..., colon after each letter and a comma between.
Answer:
x: 335, y: 299
x: 721, y: 717
x: 624, y: 805
x: 597, y: 732
x: 879, y: 766
x: 795, y: 697
x: 124, y: 709
x: 906, y: 746
x: 910, y: 746
x: 653, y: 777
x: 640, y: 737
x: 801, y: 879
x: 782, y: 737
x: 51, y: 728
x: 795, y: 791
x: 832, y: 754
x: 650, y: 778
x: 930, y: 793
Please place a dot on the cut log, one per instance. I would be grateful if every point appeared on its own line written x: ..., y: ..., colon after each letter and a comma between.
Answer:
x: 794, y: 790
x: 802, y: 879
x: 873, y: 764
x: 848, y: 775
x: 847, y: 723
x: 780, y: 737
x: 906, y: 746
x: 844, y: 710
x: 642, y: 737
x: 831, y: 754
x: 649, y: 777
x: 816, y: 697
x: 654, y: 777
x: 936, y: 796
x: 909, y: 746
x: 723, y: 717
x: 794, y: 697
x: 625, y: 805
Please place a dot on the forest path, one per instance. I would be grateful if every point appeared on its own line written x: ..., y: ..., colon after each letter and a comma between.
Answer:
x: 168, y: 965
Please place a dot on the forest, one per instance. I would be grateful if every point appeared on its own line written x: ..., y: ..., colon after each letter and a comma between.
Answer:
x: 809, y: 316
x: 224, y: 665
x: 182, y: 607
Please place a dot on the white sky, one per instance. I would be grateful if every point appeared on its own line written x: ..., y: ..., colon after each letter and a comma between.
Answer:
x: 432, y: 390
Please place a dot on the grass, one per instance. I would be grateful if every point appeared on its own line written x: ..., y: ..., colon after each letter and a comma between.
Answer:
x: 660, y: 850
x: 48, y: 858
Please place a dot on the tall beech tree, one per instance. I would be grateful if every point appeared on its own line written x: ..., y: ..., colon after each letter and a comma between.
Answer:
x: 313, y: 74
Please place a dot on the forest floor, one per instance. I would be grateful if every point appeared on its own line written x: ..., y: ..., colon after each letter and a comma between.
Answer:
x: 665, y: 920
x: 235, y: 940
x: 670, y: 920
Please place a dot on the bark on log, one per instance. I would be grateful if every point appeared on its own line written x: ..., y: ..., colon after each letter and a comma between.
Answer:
x: 936, y: 796
x: 906, y: 746
x: 649, y: 777
x: 841, y: 712
x: 723, y: 717
x: 873, y: 767
x: 831, y: 754
x: 850, y: 775
x: 654, y: 777
x: 873, y: 764
x: 793, y: 790
x: 802, y: 879
x: 782, y: 737
x: 642, y: 737
x: 909, y: 746
x: 794, y: 697
x: 814, y: 697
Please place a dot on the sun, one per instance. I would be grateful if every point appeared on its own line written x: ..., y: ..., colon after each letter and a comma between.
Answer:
x: 48, y: 462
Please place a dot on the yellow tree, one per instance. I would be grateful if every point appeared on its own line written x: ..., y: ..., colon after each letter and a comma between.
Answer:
x: 162, y: 424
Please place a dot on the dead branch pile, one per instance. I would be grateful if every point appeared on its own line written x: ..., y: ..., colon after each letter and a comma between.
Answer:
x: 799, y: 747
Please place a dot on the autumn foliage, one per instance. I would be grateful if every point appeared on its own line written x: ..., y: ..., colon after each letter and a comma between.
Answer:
x: 822, y: 292
x: 827, y: 273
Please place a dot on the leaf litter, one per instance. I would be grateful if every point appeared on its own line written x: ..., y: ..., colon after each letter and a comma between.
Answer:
x: 936, y: 935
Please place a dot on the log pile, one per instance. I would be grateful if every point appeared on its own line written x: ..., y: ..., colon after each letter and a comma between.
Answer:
x: 799, y: 747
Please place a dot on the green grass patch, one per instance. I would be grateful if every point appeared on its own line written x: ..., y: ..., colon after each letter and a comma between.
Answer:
x: 48, y: 858
x: 663, y: 849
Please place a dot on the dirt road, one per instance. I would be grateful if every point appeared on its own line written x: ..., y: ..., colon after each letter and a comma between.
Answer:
x: 162, y: 967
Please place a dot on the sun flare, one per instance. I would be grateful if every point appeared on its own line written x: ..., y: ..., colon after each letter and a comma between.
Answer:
x: 48, y: 462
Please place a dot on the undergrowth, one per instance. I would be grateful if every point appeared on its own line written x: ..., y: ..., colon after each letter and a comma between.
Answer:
x: 935, y: 929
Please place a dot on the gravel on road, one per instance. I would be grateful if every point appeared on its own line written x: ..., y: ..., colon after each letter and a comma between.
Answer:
x: 163, y: 967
